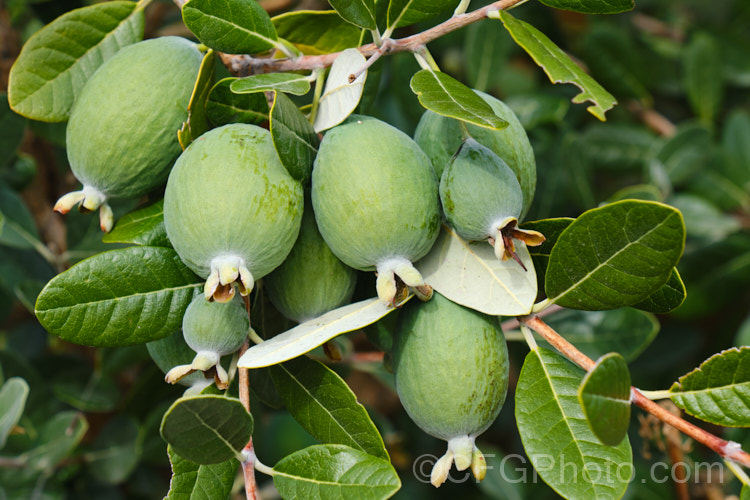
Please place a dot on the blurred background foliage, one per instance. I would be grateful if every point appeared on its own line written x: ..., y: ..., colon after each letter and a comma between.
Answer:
x: 680, y: 134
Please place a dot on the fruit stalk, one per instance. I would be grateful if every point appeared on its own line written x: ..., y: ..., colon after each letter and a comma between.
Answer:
x: 726, y: 449
x: 248, y: 466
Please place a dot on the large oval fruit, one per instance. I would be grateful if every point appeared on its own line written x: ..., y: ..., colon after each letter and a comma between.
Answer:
x: 482, y: 199
x: 122, y: 134
x: 451, y: 371
x: 440, y: 138
x: 231, y: 209
x: 376, y: 202
x: 212, y: 330
x: 312, y: 280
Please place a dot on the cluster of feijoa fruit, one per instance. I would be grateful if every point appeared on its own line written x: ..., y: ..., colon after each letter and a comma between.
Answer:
x: 234, y: 214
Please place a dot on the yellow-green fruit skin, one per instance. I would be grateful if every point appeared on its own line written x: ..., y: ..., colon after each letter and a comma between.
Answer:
x: 122, y: 134
x: 215, y: 326
x: 451, y: 367
x: 229, y: 195
x: 375, y: 194
x: 440, y: 137
x: 312, y: 280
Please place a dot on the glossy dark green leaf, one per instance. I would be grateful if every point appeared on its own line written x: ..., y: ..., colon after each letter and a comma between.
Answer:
x: 604, y: 395
x: 596, y: 333
x: 54, y: 66
x: 197, y: 123
x: 230, y: 26
x: 358, y: 12
x: 113, y: 455
x: 207, y: 429
x: 667, y: 298
x: 551, y: 229
x: 592, y: 6
x: 13, y: 395
x: 406, y: 12
x: 13, y: 126
x: 556, y: 436
x: 191, y: 481
x: 718, y: 391
x: 558, y: 65
x: 316, y: 31
x: 449, y: 97
x: 598, y: 261
x: 325, y: 406
x: 703, y: 76
x: 334, y: 471
x: 18, y: 229
x: 291, y: 83
x: 122, y: 297
x: 293, y: 137
x: 224, y: 106
x: 144, y: 226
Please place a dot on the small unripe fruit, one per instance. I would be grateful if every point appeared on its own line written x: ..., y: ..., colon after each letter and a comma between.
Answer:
x: 312, y: 280
x: 440, y: 138
x: 451, y: 371
x: 376, y: 203
x: 122, y: 134
x: 482, y: 199
x: 172, y: 351
x: 212, y: 330
x: 231, y: 209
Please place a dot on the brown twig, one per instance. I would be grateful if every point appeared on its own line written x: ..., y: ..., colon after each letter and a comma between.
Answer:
x: 246, y: 65
x: 726, y: 449
x: 248, y: 465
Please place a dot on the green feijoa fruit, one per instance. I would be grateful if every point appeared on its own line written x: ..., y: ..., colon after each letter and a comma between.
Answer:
x: 172, y: 351
x: 482, y: 199
x: 440, y: 137
x: 122, y: 134
x: 451, y: 372
x: 312, y: 280
x: 375, y: 198
x: 231, y: 210
x: 212, y: 330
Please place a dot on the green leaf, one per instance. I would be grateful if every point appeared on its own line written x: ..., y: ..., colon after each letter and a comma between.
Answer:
x: 745, y: 493
x: 551, y: 229
x: 599, y: 260
x: 19, y: 229
x: 312, y: 333
x: 334, y: 471
x: 77, y: 386
x: 291, y: 83
x: 12, y: 401
x: 207, y: 429
x: 54, y: 66
x: 56, y: 441
x: 591, y: 6
x: 703, y: 76
x: 718, y: 391
x: 735, y: 141
x: 358, y: 12
x: 13, y: 127
x: 646, y: 192
x: 294, y: 138
x: 618, y: 146
x: 316, y: 32
x: 325, y: 406
x: 122, y: 297
x: 667, y: 298
x: 406, y: 12
x: 224, y: 106
x: 558, y: 65
x: 341, y: 97
x: 556, y: 436
x: 191, y: 481
x: 470, y: 274
x: 144, y: 226
x: 197, y: 123
x: 114, y: 455
x: 604, y: 395
x: 447, y: 96
x: 230, y: 26
x: 703, y: 220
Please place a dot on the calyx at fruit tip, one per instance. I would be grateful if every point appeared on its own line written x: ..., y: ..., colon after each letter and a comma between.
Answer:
x: 505, y: 232
x: 204, y: 361
x: 394, y: 276
x: 462, y: 451
x: 227, y: 271
x: 88, y: 199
